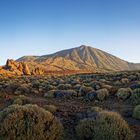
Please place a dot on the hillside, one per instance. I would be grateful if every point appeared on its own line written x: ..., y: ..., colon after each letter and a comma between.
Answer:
x: 83, y: 58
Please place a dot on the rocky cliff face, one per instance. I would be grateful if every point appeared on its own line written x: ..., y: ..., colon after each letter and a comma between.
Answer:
x: 19, y: 68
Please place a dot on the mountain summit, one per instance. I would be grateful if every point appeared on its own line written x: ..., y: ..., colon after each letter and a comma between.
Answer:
x: 83, y: 58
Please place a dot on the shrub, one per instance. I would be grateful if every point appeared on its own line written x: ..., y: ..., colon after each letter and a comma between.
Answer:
x: 29, y: 122
x: 51, y: 108
x: 49, y: 87
x: 22, y: 89
x: 135, y: 97
x: 102, y: 80
x: 111, y: 126
x: 95, y: 85
x: 124, y: 93
x: 106, y: 126
x: 84, y: 90
x: 102, y: 94
x: 90, y: 96
x: 135, y: 85
x: 125, y: 80
x: 69, y: 93
x: 64, y: 93
x: 35, y: 91
x: 75, y: 82
x: 136, y: 112
x: 11, y: 87
x: 95, y: 109
x: 132, y: 77
x: 117, y: 83
x: 36, y: 84
x: 49, y: 94
x: 85, y: 129
x: 20, y: 100
x: 77, y: 89
x: 64, y: 86
x: 108, y: 87
x: 113, y: 91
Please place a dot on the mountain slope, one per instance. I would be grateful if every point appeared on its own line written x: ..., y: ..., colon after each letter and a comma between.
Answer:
x: 83, y: 58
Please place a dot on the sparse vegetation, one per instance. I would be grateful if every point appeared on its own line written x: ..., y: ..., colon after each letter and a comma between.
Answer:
x: 84, y: 90
x: 20, y: 100
x: 64, y: 86
x: 135, y: 98
x: 124, y: 93
x: 102, y: 94
x: 136, y: 113
x: 106, y: 126
x: 85, y: 129
x: 51, y: 108
x: 95, y: 109
x: 77, y: 99
x: 111, y: 126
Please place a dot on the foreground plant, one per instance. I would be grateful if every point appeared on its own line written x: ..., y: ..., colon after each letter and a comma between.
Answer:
x: 29, y: 122
x: 106, y: 126
x: 136, y: 112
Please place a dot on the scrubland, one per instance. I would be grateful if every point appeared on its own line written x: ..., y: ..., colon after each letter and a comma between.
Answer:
x: 71, y: 107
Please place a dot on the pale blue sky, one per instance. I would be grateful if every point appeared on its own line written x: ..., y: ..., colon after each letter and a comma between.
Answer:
x: 39, y: 27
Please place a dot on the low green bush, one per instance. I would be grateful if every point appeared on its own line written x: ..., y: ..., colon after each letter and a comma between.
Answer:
x: 95, y: 109
x: 111, y: 126
x: 64, y: 87
x: 29, y: 122
x: 95, y: 85
x: 85, y: 129
x: 136, y: 112
x: 106, y: 126
x: 125, y: 80
x: 102, y: 94
x: 51, y: 108
x: 84, y: 90
x: 49, y: 94
x: 124, y: 93
x: 65, y: 94
x: 49, y: 87
x: 135, y: 97
x: 20, y: 100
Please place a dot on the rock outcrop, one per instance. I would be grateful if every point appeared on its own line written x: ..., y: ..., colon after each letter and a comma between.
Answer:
x: 19, y: 68
x: 38, y: 71
x: 25, y: 69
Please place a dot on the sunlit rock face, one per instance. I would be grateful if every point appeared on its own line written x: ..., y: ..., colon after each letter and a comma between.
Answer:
x: 19, y: 68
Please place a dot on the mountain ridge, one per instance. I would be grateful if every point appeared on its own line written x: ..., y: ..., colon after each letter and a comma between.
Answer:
x: 80, y: 58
